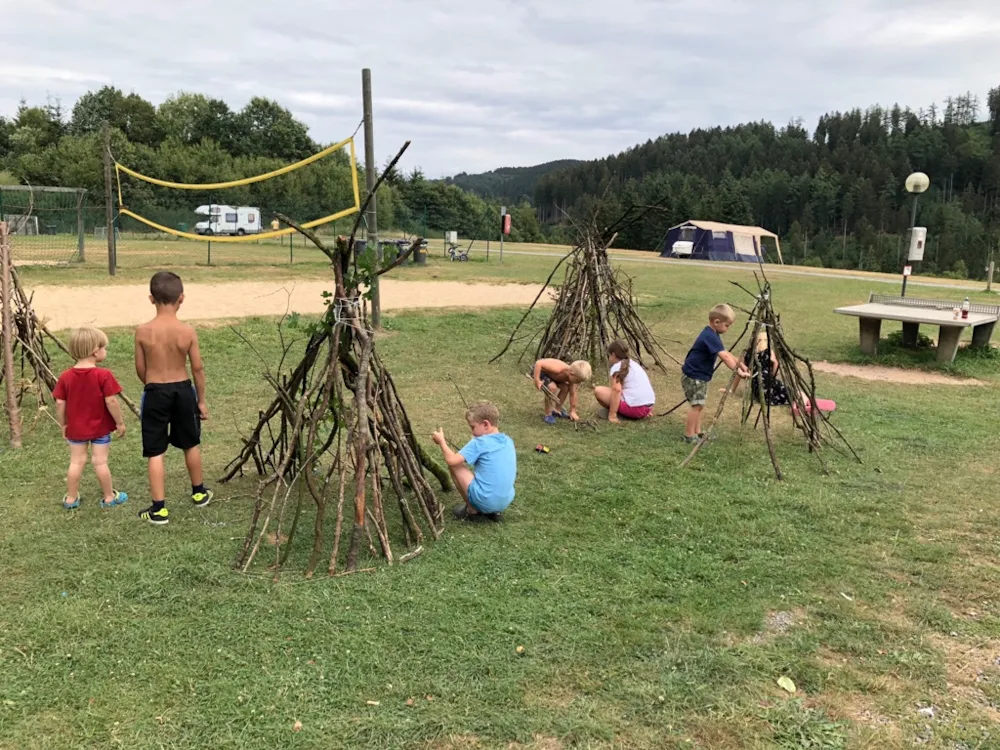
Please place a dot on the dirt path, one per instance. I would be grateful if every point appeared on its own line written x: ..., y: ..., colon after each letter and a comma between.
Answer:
x: 68, y: 307
x: 892, y: 375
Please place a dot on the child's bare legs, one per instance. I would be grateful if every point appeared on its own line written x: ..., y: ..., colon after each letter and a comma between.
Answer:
x: 77, y: 460
x: 556, y: 397
x: 99, y: 458
x: 157, y: 479
x: 692, y: 428
x: 561, y: 396
x: 608, y: 398
x: 192, y: 457
x: 462, y: 476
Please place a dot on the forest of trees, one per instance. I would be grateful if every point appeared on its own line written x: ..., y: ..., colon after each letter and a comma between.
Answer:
x: 509, y: 184
x: 835, y: 195
x: 197, y: 139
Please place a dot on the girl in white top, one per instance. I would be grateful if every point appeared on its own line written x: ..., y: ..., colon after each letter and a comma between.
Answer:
x: 630, y: 394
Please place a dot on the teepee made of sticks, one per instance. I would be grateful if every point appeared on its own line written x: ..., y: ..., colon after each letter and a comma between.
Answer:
x: 794, y: 371
x: 336, y: 442
x: 594, y: 306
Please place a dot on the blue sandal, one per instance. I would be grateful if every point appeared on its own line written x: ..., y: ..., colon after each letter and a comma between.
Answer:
x: 120, y: 498
x: 71, y: 505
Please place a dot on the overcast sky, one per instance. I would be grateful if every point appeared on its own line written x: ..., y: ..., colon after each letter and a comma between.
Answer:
x: 480, y: 84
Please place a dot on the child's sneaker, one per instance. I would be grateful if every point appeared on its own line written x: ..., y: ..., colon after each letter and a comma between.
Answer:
x: 71, y: 505
x: 549, y: 419
x: 201, y: 499
x: 154, y: 516
x: 119, y: 498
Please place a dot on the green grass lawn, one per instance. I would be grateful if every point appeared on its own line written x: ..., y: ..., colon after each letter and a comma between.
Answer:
x: 657, y: 607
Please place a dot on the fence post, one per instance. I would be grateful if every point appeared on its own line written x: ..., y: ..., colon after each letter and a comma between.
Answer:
x: 109, y: 202
x: 80, y: 230
x: 7, y: 328
x: 370, y: 179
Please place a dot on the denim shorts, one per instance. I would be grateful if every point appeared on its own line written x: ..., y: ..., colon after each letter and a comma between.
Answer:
x: 106, y: 440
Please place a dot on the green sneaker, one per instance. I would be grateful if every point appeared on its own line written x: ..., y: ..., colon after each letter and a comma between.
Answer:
x: 201, y: 499
x: 154, y: 516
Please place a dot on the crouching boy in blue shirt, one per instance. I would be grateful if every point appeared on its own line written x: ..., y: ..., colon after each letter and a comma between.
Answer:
x: 489, y: 490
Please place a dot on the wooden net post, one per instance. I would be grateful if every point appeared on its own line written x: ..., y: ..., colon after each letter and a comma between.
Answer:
x: 13, y: 411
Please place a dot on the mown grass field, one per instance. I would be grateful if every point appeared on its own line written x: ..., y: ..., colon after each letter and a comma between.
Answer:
x: 657, y: 607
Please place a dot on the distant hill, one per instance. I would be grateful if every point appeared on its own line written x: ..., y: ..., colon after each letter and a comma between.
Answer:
x: 511, y: 184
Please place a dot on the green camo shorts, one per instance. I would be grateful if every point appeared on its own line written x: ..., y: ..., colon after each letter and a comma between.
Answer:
x: 695, y: 391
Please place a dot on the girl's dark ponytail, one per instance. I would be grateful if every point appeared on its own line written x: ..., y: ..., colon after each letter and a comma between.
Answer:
x: 620, y: 350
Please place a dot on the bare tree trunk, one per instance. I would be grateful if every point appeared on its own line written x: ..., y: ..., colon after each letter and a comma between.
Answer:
x: 13, y: 411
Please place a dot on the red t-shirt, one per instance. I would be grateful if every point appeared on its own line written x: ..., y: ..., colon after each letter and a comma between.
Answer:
x: 84, y: 391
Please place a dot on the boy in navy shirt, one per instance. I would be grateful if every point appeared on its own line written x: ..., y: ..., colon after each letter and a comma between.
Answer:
x: 489, y: 490
x: 699, y: 366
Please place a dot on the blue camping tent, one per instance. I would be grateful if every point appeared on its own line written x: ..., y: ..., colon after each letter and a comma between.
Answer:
x: 710, y: 240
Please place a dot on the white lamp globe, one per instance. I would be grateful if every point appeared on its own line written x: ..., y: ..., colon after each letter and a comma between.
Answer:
x: 917, y: 182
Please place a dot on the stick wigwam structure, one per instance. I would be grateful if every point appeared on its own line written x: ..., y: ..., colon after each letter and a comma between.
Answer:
x: 593, y: 307
x: 814, y: 424
x: 337, y: 438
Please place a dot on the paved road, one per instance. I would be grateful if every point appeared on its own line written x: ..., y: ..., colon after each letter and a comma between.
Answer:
x: 771, y: 269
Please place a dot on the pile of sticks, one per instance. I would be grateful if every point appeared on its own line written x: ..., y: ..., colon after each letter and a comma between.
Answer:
x: 795, y: 371
x: 593, y: 307
x: 336, y: 439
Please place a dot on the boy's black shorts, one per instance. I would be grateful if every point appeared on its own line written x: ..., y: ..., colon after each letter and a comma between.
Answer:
x: 170, y: 416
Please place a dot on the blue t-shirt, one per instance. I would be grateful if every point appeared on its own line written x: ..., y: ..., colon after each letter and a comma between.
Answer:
x: 700, y: 361
x: 495, y: 462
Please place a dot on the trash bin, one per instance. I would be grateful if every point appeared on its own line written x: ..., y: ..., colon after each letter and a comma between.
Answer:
x: 183, y: 226
x: 390, y: 251
x: 419, y: 256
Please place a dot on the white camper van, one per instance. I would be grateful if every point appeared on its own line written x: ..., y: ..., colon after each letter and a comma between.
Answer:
x: 228, y: 220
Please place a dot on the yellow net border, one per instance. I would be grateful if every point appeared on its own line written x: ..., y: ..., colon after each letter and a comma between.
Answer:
x: 119, y: 168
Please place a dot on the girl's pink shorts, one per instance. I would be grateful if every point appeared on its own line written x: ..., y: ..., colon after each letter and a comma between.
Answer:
x: 634, y: 412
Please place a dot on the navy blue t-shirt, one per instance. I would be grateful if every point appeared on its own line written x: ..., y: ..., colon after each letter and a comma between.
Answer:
x: 700, y: 361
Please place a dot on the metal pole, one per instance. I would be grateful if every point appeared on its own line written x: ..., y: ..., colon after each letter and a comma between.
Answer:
x: 913, y: 223
x: 109, y: 200
x: 80, y: 243
x: 211, y: 230
x: 366, y: 96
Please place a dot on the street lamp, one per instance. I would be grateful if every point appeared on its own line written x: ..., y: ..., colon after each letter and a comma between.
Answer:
x: 916, y: 183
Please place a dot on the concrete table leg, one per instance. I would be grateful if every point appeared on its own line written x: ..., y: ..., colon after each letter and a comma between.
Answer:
x: 911, y: 332
x: 948, y: 343
x: 870, y: 330
x: 982, y: 334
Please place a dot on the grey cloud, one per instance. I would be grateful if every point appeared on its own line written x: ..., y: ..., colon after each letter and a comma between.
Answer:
x: 482, y: 85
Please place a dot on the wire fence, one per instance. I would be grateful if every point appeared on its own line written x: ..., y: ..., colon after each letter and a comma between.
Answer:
x: 68, y: 226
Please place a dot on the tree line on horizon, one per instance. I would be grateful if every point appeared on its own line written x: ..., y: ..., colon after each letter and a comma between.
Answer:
x: 835, y: 195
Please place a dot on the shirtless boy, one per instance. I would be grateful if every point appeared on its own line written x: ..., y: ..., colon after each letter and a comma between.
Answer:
x: 172, y: 408
x: 560, y: 380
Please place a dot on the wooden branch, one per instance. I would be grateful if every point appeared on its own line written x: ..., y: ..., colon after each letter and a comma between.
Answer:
x: 7, y: 313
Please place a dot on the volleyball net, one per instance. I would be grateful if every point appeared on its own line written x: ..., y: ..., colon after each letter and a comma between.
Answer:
x: 163, y: 220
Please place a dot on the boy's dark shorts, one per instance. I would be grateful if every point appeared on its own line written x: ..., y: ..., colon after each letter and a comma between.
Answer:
x: 170, y: 416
